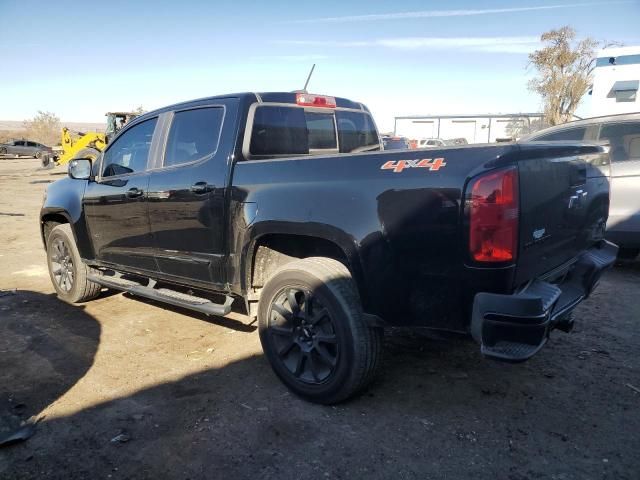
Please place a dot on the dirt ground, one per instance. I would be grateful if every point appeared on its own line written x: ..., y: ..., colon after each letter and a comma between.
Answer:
x: 125, y: 388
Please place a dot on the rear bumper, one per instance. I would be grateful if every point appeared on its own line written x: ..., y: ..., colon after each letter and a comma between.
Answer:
x: 515, y: 327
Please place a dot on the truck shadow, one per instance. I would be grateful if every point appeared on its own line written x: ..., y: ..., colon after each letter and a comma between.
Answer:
x: 435, y: 397
x: 47, y: 346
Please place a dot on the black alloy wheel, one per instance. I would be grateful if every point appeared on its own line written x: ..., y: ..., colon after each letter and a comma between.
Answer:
x: 68, y: 273
x: 314, y: 333
x: 304, y: 335
x: 62, y: 267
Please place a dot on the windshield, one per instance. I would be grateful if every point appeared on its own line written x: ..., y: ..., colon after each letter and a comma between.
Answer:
x: 289, y: 130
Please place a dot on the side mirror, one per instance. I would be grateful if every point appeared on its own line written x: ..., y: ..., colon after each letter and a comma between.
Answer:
x: 80, y: 169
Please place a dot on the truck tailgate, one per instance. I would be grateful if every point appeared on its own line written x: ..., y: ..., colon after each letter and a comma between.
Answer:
x: 564, y: 202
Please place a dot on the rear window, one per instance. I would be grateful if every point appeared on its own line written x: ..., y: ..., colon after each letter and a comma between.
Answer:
x: 624, y: 140
x: 321, y: 131
x: 288, y: 131
x: 569, y: 134
x: 193, y: 135
x: 356, y: 131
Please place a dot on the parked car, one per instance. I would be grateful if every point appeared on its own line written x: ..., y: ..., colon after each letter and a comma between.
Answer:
x: 622, y: 133
x: 456, y: 141
x: 24, y: 148
x: 395, y: 143
x: 283, y: 203
x: 430, y: 143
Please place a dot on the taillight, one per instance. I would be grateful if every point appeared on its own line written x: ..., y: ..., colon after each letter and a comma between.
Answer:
x: 493, y: 216
x: 310, y: 100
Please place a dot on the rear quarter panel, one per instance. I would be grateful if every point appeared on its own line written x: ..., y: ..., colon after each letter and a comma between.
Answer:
x: 400, y: 230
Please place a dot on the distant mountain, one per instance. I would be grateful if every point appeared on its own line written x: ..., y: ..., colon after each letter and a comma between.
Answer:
x: 18, y: 126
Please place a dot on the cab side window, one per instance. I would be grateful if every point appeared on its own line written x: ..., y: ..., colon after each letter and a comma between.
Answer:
x: 193, y: 135
x: 129, y: 153
x: 570, y: 134
x: 624, y: 140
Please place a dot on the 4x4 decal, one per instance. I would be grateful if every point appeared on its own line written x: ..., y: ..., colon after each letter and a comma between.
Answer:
x: 433, y: 164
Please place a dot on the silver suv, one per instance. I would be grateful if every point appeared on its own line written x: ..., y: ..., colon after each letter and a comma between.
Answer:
x: 622, y: 133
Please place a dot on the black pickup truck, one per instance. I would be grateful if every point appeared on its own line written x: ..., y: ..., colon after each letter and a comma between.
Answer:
x: 285, y: 204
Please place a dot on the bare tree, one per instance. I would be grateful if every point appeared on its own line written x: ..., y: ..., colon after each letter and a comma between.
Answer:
x: 43, y: 128
x: 564, y: 72
x: 7, y: 135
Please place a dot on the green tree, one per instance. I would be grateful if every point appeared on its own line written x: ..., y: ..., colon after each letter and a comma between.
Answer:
x: 564, y: 68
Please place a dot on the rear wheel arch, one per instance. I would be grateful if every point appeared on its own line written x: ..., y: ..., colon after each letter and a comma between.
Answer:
x: 270, y: 251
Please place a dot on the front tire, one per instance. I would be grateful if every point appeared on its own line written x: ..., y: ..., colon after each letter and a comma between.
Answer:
x: 66, y: 270
x: 313, y: 331
x: 90, y: 153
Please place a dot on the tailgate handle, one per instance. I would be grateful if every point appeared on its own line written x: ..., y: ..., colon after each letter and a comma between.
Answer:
x: 576, y: 200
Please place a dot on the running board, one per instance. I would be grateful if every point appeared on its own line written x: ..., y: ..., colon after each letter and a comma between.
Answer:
x: 165, y: 295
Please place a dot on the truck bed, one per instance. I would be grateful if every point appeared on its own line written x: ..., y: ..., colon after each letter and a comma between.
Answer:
x: 400, y: 216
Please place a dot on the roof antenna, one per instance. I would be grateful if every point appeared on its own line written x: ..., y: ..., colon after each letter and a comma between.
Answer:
x: 304, y: 90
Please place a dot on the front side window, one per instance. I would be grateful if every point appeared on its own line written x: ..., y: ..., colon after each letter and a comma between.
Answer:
x: 289, y: 131
x: 624, y: 140
x: 193, y: 135
x: 32, y: 144
x: 569, y: 134
x: 129, y: 153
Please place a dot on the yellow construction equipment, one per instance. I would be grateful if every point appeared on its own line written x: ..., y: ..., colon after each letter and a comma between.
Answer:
x: 89, y: 144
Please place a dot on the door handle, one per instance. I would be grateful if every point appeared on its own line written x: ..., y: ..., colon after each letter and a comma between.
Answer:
x: 134, y: 192
x: 201, y: 187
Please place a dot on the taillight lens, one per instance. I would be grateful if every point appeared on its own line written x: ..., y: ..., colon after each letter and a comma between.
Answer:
x: 311, y: 100
x: 493, y: 216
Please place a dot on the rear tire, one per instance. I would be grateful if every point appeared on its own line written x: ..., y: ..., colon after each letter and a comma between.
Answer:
x: 313, y: 331
x: 67, y: 271
x: 3, y: 150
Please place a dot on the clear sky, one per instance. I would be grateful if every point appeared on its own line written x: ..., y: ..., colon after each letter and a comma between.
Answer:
x: 81, y: 59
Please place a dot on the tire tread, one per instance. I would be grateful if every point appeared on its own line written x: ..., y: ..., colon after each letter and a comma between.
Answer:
x: 368, y: 340
x: 83, y: 289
